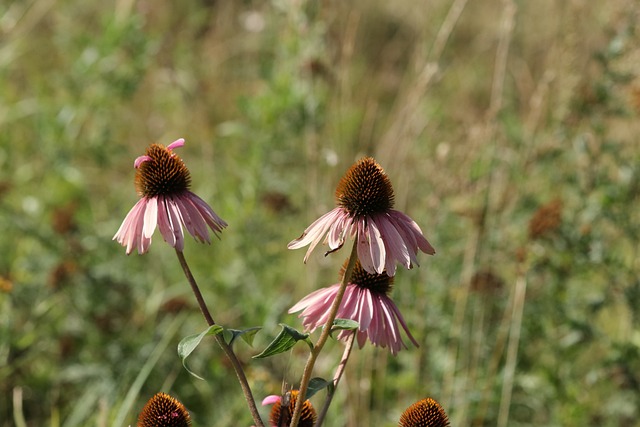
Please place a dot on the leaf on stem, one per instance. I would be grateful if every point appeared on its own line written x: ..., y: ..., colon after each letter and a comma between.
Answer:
x: 344, y: 325
x: 188, y: 344
x: 247, y: 335
x: 286, y: 339
x: 316, y: 384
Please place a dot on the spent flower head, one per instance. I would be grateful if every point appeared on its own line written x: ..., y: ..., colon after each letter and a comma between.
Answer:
x: 283, y: 407
x: 162, y: 180
x: 163, y: 410
x: 424, y: 413
x: 366, y: 300
x: 365, y: 212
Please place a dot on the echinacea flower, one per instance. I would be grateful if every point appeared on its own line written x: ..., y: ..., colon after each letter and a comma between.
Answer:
x: 283, y: 407
x: 162, y: 181
x: 424, y: 413
x: 366, y: 300
x: 364, y: 212
x: 163, y: 410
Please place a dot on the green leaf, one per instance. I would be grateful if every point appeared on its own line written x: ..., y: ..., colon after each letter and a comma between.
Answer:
x: 286, y: 339
x: 316, y: 384
x: 344, y: 324
x: 247, y: 335
x: 188, y: 344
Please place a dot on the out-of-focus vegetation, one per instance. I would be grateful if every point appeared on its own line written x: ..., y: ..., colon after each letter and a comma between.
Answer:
x: 508, y: 128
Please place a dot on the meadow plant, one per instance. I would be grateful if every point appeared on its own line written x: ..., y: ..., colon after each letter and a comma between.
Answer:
x: 359, y: 306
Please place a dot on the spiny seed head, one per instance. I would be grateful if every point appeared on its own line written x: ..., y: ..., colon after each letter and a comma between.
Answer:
x: 424, y: 413
x: 365, y: 189
x: 282, y: 416
x: 163, y: 410
x: 163, y: 174
x: 377, y: 283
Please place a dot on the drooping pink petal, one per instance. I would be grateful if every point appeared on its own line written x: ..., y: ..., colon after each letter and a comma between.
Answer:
x: 190, y: 216
x: 164, y: 222
x: 376, y: 246
x: 397, y: 249
x: 314, y: 298
x: 136, y: 239
x: 126, y: 234
x: 364, y: 251
x: 150, y: 217
x: 176, y: 223
x: 140, y: 160
x: 315, y: 232
x: 421, y: 241
x: 175, y: 144
x: 270, y: 400
x: 366, y: 310
x: 212, y: 219
x: 404, y: 324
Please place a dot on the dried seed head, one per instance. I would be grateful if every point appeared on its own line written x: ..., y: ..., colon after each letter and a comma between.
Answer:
x: 365, y: 189
x: 546, y: 220
x: 377, y: 283
x: 163, y: 410
x: 163, y: 173
x: 282, y: 416
x: 424, y: 413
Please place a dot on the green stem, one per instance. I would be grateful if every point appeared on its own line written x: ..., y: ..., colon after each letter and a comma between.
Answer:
x: 324, y: 335
x: 228, y: 350
x: 336, y: 378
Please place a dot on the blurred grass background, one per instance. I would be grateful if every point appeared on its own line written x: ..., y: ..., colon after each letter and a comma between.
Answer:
x: 509, y: 130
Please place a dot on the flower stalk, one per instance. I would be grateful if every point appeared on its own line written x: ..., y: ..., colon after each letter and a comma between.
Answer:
x: 324, y: 335
x: 228, y: 350
x: 336, y: 378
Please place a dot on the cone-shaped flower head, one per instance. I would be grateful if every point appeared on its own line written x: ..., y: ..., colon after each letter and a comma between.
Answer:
x: 283, y: 407
x: 163, y: 181
x: 365, y: 212
x: 163, y: 410
x: 424, y: 413
x: 366, y: 300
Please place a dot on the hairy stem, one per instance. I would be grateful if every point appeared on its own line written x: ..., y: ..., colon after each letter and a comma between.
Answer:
x: 324, y: 335
x: 336, y: 378
x: 228, y: 350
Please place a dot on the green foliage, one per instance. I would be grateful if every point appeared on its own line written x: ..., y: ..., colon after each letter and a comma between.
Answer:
x: 191, y: 342
x: 284, y: 341
x: 275, y: 101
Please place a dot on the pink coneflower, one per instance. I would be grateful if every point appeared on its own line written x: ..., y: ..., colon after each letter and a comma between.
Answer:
x: 163, y: 181
x: 383, y: 235
x: 283, y: 408
x: 366, y: 300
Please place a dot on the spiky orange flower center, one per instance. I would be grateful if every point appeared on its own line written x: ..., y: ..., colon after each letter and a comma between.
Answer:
x: 365, y: 189
x: 281, y: 416
x: 163, y: 410
x: 424, y: 413
x: 164, y: 174
x: 376, y: 283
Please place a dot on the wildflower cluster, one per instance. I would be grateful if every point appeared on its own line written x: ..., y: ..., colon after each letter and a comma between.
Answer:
x: 382, y: 238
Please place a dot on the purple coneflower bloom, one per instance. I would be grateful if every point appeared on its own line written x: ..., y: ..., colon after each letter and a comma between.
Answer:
x: 163, y: 181
x: 366, y: 300
x: 383, y: 235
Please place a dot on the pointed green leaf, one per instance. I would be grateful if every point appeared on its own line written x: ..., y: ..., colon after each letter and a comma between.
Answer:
x: 188, y: 344
x: 247, y: 335
x: 286, y: 339
x: 344, y: 324
x: 316, y: 384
